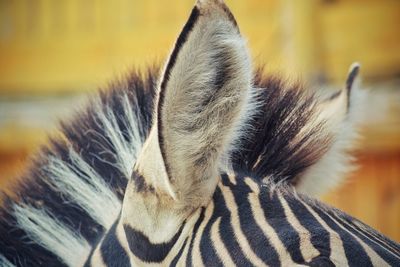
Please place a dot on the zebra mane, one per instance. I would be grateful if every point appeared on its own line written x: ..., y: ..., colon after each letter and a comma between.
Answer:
x: 73, y: 192
x: 275, y: 148
x: 300, y: 137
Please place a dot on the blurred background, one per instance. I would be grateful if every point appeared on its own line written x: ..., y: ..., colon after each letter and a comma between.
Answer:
x: 53, y: 52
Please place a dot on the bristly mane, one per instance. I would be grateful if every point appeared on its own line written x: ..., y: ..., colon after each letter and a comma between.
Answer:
x: 73, y: 190
x: 276, y: 147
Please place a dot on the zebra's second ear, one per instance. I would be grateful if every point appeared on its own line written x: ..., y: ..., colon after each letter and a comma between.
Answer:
x: 204, y: 96
x: 341, y: 114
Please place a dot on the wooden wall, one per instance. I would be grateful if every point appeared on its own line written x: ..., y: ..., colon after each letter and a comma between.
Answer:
x: 54, y: 51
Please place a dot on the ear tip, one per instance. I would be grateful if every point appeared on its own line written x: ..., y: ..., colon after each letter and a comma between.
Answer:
x: 211, y: 4
x: 204, y: 2
x: 354, y: 68
x: 216, y: 7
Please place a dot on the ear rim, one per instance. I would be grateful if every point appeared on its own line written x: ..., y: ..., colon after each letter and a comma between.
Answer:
x: 182, y: 38
x: 351, y: 79
x: 354, y: 70
x: 352, y: 75
x: 201, y: 8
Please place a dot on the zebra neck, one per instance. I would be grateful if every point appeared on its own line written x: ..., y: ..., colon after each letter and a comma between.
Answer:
x: 157, y: 247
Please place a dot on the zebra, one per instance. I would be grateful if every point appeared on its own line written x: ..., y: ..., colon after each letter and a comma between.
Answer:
x: 204, y: 162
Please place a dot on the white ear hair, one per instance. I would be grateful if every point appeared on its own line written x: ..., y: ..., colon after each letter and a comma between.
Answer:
x: 205, y: 95
x: 341, y: 114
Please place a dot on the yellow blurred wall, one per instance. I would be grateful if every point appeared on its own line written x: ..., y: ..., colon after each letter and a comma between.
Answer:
x: 48, y: 45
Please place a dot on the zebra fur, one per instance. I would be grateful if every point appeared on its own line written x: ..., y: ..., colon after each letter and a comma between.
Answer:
x: 253, y: 223
x: 91, y: 196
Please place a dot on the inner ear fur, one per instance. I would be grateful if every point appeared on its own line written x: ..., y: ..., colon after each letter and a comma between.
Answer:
x: 205, y: 97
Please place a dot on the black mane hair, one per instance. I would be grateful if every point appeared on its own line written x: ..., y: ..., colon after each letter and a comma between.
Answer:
x: 87, y: 137
x: 275, y: 147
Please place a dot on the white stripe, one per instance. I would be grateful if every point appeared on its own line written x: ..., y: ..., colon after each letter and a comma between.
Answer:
x: 197, y: 260
x: 235, y: 222
x: 373, y: 256
x: 126, y: 152
x: 219, y: 245
x: 338, y: 256
x: 4, y: 262
x: 88, y: 190
x: 232, y: 178
x: 183, y: 258
x: 133, y: 122
x: 53, y: 235
x: 188, y: 232
x: 268, y: 230
x: 392, y: 249
x: 97, y: 258
x: 121, y: 237
x: 307, y: 249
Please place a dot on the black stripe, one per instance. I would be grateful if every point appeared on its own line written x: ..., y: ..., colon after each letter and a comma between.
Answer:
x: 373, y: 235
x: 89, y: 258
x: 378, y: 248
x: 355, y: 254
x: 351, y: 77
x: 334, y: 96
x: 227, y: 233
x: 207, y: 249
x: 320, y: 237
x: 171, y: 62
x: 195, y: 230
x: 258, y: 242
x: 275, y: 215
x: 179, y: 255
x: 141, y: 246
x: 349, y: 83
x: 112, y: 252
x: 140, y: 183
x: 321, y: 262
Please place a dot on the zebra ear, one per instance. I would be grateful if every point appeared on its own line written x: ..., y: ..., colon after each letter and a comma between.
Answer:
x: 338, y: 107
x: 204, y: 96
x: 341, y: 114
